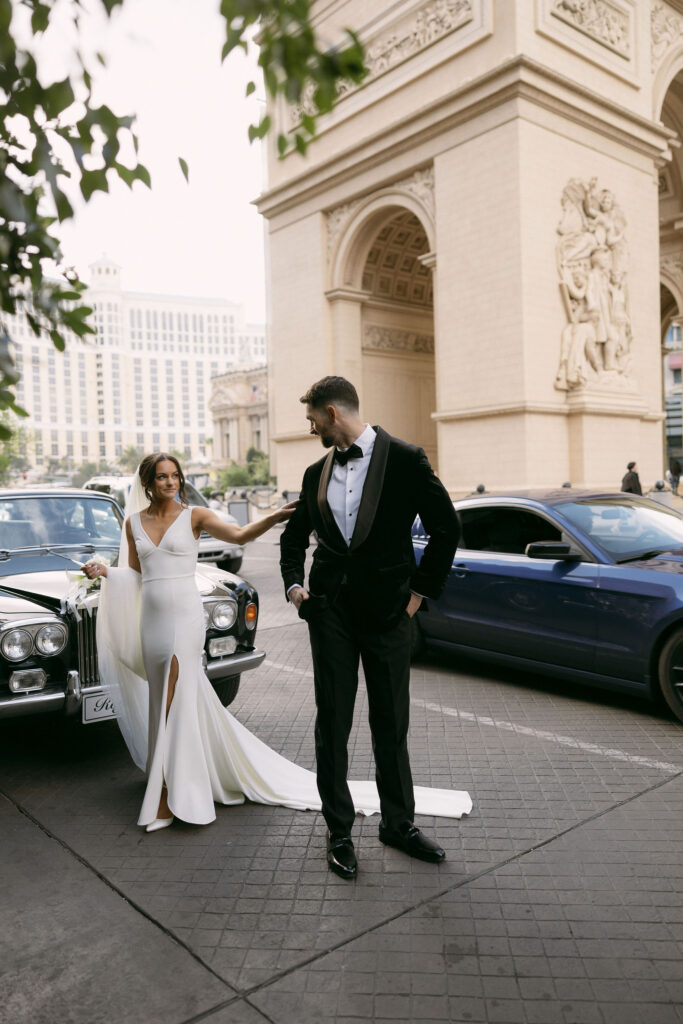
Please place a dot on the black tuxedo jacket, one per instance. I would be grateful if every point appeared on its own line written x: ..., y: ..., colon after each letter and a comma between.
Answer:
x: 379, y: 565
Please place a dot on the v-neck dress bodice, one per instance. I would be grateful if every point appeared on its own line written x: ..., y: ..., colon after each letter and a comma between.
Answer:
x: 174, y: 557
x: 199, y: 751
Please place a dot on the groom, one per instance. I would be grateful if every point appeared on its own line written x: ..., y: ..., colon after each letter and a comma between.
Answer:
x: 364, y: 587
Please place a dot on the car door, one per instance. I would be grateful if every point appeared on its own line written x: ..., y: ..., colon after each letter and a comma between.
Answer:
x: 497, y: 599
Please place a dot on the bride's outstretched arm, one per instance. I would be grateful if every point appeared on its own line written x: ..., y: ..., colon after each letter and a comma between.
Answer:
x: 205, y: 519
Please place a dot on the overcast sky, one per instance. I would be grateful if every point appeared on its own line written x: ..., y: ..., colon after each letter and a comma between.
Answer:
x: 201, y: 239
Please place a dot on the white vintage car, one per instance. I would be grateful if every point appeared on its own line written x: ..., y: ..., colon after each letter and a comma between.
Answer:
x: 48, y: 657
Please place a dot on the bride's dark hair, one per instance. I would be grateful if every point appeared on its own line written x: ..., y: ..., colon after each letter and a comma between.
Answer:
x: 148, y: 472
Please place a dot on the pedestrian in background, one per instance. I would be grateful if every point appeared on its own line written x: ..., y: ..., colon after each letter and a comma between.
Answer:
x: 631, y: 480
x: 675, y: 470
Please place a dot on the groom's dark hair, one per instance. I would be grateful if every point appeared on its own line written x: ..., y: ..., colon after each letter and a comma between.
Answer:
x: 331, y: 391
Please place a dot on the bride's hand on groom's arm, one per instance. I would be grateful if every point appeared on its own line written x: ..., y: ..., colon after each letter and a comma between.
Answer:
x: 285, y: 512
x: 205, y: 519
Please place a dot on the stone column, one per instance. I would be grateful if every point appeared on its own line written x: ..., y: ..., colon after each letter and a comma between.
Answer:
x: 346, y: 311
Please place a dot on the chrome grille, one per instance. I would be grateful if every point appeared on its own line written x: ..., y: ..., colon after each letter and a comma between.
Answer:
x: 87, y: 650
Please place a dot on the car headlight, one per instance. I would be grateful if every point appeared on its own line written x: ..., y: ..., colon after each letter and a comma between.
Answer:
x: 51, y: 639
x: 16, y: 644
x: 224, y: 614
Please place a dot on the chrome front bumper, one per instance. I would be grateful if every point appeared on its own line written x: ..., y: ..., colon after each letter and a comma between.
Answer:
x: 70, y: 701
x: 234, y: 664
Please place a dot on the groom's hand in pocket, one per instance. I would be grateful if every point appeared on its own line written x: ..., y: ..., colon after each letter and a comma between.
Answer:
x: 297, y: 596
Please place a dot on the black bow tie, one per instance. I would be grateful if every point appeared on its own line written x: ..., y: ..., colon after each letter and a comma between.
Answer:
x: 354, y: 452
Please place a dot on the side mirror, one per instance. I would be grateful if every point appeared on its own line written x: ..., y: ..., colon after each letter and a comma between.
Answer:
x: 552, y: 550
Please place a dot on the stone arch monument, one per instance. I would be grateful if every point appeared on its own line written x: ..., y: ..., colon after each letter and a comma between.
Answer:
x: 474, y: 237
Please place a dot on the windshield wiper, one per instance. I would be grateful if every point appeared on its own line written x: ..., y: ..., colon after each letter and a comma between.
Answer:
x: 53, y: 549
x: 643, y: 556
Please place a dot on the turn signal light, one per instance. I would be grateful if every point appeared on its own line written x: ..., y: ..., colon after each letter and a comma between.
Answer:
x: 250, y: 616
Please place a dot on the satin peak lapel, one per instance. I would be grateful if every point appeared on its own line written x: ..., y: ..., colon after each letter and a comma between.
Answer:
x: 333, y: 532
x: 372, y: 490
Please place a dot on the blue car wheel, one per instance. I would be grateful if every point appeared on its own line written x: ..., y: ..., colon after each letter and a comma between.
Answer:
x: 671, y: 673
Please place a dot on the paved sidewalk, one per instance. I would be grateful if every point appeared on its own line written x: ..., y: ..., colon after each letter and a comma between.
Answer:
x: 561, y: 899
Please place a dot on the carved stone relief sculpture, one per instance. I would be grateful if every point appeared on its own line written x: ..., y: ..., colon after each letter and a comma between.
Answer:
x: 601, y: 20
x: 592, y: 257
x: 665, y: 29
x: 435, y: 19
x: 390, y: 339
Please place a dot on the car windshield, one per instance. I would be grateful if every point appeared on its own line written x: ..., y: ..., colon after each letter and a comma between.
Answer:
x: 27, y: 521
x: 627, y: 530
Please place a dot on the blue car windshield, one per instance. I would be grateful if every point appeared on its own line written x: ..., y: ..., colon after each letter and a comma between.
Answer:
x: 629, y: 529
x: 27, y: 521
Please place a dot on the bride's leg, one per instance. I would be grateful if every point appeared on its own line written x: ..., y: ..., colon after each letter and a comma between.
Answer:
x: 164, y: 811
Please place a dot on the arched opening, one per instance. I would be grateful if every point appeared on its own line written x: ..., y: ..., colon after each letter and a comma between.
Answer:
x: 397, y: 330
x: 671, y: 274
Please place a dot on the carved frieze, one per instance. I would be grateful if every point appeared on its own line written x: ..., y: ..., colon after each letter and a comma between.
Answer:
x: 431, y: 22
x: 390, y: 339
x: 592, y: 260
x: 665, y: 28
x: 419, y: 184
x: 601, y: 20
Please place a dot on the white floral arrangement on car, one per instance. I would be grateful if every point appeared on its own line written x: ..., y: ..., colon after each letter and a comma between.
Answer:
x: 76, y: 599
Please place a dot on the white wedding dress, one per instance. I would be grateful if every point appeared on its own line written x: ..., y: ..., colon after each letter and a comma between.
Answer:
x: 199, y: 751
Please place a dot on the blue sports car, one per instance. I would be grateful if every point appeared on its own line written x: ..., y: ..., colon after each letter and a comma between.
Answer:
x: 577, y: 584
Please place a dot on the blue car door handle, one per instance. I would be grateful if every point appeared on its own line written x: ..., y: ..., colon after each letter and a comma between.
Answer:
x: 460, y: 570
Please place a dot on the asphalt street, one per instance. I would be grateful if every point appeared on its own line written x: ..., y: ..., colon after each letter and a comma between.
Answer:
x: 561, y: 899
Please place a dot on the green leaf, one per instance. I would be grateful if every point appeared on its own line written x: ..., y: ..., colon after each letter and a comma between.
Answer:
x: 58, y: 340
x: 143, y: 175
x: 251, y: 88
x: 184, y: 168
x: 282, y: 144
x: 93, y: 181
x: 64, y: 207
x: 57, y: 97
x: 40, y: 18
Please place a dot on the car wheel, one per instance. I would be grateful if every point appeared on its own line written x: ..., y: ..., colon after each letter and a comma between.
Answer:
x: 226, y: 689
x: 671, y: 673
x: 230, y: 564
x: 417, y: 640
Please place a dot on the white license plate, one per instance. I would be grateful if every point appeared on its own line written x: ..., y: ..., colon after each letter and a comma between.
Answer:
x: 97, y: 707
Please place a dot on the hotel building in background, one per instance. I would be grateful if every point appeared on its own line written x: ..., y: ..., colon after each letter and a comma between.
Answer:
x: 142, y: 380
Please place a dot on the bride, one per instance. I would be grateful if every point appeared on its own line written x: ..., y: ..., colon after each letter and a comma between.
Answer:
x: 150, y: 626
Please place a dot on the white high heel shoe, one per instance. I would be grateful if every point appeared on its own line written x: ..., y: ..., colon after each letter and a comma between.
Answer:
x: 158, y: 823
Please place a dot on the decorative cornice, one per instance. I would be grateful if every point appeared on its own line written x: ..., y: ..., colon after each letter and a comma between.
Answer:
x: 587, y: 406
x: 420, y: 184
x: 434, y: 20
x: 665, y: 28
x: 428, y: 259
x: 389, y: 339
x: 600, y: 20
x: 521, y: 77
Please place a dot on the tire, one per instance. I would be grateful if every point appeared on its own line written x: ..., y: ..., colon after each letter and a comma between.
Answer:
x: 226, y: 689
x: 670, y: 671
x: 417, y: 640
x: 230, y: 564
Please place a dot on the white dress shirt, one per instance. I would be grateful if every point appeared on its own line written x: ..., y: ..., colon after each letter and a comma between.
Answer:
x: 345, y: 488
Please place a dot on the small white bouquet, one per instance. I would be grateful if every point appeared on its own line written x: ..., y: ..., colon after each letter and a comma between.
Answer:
x: 81, y: 586
x: 85, y: 581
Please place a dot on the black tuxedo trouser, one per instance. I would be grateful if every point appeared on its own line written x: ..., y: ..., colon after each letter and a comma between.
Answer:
x: 338, y: 642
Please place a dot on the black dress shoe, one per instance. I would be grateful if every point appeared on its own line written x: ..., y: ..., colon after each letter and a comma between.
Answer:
x: 341, y: 857
x: 413, y: 842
